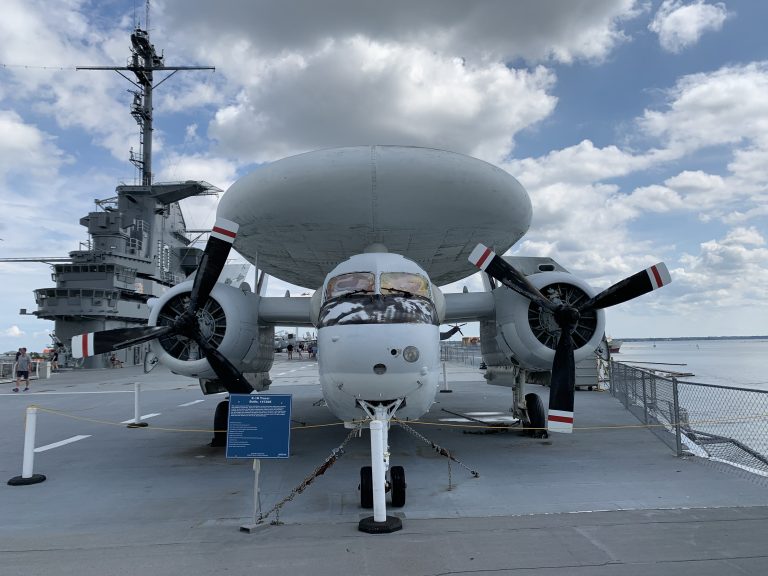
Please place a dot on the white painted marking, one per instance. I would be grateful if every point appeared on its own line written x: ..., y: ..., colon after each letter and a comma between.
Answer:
x: 132, y: 420
x: 497, y: 420
x: 94, y: 392
x: 191, y: 403
x: 62, y: 443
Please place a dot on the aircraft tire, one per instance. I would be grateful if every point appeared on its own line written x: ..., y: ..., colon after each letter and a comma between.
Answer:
x: 220, y: 421
x: 536, y: 416
x: 366, y: 487
x: 397, y: 475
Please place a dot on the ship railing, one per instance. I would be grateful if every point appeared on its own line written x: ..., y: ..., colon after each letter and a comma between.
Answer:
x: 457, y: 351
x: 8, y: 371
x: 721, y: 423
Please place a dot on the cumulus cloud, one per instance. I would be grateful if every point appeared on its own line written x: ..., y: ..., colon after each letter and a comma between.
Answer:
x: 680, y: 25
x: 220, y: 172
x: 13, y: 332
x: 363, y: 91
x: 727, y: 106
x: 40, y: 36
x: 433, y: 73
x: 582, y: 163
x: 729, y: 271
x: 493, y: 30
x: 25, y: 150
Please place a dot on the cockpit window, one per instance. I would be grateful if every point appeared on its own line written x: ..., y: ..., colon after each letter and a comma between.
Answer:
x: 353, y: 282
x: 399, y: 282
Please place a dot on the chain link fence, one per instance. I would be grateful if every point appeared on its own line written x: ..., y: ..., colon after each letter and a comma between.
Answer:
x: 456, y: 351
x: 719, y: 422
x: 8, y: 371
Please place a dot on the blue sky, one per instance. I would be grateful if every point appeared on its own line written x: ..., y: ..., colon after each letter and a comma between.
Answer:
x: 638, y: 128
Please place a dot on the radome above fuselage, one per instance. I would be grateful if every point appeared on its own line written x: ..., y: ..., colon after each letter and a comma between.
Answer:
x: 300, y: 216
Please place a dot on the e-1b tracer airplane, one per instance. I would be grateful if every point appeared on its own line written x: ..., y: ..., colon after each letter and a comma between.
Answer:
x: 376, y: 230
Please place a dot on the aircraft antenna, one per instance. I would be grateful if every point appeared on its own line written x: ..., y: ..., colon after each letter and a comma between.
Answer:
x: 143, y: 63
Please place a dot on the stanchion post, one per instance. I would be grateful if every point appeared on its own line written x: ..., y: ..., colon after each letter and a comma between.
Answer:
x: 256, y: 496
x: 27, y: 466
x: 137, y: 423
x: 256, y: 524
x: 676, y: 402
x: 445, y: 382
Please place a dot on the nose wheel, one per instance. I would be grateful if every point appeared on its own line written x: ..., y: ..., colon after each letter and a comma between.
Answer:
x: 396, y: 486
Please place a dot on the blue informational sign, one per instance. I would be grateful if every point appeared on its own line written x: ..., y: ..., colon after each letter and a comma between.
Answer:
x: 259, y: 426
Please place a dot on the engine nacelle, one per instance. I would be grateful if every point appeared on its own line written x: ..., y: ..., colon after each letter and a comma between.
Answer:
x: 526, y: 335
x: 229, y: 321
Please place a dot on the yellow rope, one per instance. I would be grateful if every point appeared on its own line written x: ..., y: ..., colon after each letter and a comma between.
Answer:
x: 195, y: 430
x: 416, y: 422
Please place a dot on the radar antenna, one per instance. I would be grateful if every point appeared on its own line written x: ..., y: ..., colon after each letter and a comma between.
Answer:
x: 143, y: 63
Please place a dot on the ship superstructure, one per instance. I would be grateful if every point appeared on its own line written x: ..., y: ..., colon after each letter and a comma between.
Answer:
x: 137, y: 244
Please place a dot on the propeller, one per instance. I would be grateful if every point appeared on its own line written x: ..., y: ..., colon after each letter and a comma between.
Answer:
x: 212, y: 263
x: 560, y: 417
x: 448, y: 333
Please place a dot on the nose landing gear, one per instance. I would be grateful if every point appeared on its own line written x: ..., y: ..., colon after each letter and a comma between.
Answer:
x: 373, y: 484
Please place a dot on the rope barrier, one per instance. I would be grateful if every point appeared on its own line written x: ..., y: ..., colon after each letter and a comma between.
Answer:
x: 161, y: 429
x: 494, y: 426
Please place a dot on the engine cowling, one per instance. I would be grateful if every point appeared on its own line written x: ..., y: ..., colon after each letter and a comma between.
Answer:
x: 229, y: 321
x: 526, y: 335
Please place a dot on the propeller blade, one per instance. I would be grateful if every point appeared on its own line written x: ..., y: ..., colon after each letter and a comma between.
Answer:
x: 496, y: 267
x: 232, y: 379
x: 636, y: 285
x: 213, y: 261
x: 448, y: 333
x: 562, y: 386
x: 92, y: 343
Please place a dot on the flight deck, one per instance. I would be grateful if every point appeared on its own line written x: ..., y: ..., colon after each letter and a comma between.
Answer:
x: 608, y: 499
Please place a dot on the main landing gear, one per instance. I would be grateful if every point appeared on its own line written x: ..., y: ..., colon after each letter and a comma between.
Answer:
x: 373, y: 484
x: 537, y: 417
x: 220, y: 422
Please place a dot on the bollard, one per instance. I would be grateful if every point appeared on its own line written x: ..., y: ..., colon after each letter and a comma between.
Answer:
x: 445, y: 388
x: 137, y: 423
x: 27, y: 477
x: 255, y: 525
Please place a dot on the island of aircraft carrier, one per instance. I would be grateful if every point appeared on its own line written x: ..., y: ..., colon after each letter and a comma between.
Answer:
x: 138, y: 244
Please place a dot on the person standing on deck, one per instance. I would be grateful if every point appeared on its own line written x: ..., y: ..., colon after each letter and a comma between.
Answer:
x: 23, y: 361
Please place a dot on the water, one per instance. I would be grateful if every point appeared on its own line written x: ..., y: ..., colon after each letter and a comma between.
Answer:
x: 740, y: 363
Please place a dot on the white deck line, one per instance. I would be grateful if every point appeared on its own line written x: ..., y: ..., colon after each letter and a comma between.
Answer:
x: 191, y: 403
x: 61, y: 443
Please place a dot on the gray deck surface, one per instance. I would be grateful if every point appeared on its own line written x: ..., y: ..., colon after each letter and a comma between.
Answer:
x: 609, y: 499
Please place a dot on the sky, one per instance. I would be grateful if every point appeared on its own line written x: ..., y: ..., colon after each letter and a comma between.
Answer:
x: 639, y: 128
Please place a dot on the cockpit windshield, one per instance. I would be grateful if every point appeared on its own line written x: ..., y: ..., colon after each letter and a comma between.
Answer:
x: 404, y: 282
x: 402, y: 298
x: 351, y: 283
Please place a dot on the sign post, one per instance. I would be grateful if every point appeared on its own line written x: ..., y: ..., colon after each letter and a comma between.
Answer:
x: 259, y: 427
